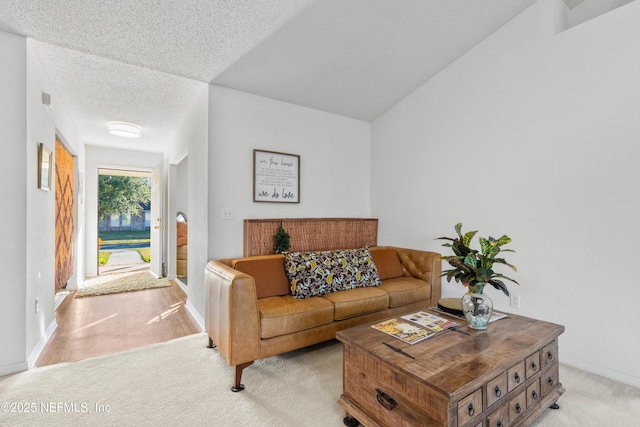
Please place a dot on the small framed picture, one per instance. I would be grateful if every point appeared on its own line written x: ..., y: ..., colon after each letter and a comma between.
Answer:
x: 276, y: 177
x: 44, y: 167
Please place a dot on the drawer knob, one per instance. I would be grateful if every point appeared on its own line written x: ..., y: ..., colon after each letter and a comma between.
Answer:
x: 549, y: 355
x: 499, y: 423
x: 497, y: 391
x: 385, y: 400
x: 534, y: 394
x: 518, y: 408
x: 471, y: 410
x: 516, y: 377
x: 550, y: 381
x: 534, y: 367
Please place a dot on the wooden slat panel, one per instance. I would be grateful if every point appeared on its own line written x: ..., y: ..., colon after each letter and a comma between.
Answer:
x: 310, y: 234
x: 64, y: 216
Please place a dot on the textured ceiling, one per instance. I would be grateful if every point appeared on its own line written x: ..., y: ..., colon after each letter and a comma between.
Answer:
x: 139, y: 60
x: 146, y: 61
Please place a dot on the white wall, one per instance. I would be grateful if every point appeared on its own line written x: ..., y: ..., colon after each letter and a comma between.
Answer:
x: 182, y: 201
x: 42, y: 127
x: 100, y: 157
x: 40, y: 236
x: 28, y: 253
x: 334, y: 169
x: 13, y: 187
x: 534, y: 135
x: 334, y: 163
x: 192, y: 141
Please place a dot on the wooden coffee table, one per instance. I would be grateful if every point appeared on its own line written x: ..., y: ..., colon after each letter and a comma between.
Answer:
x: 504, y: 376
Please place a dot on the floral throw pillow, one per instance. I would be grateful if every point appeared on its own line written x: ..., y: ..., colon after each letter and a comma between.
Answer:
x: 317, y: 273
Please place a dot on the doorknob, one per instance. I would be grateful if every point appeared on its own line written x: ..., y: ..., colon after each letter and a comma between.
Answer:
x: 159, y: 227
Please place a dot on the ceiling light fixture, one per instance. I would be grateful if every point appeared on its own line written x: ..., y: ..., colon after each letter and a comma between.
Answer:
x: 128, y: 130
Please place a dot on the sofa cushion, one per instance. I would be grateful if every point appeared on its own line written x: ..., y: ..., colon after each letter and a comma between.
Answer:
x: 406, y: 290
x: 268, y: 273
x: 387, y: 263
x: 355, y: 302
x: 284, y: 315
x: 317, y: 273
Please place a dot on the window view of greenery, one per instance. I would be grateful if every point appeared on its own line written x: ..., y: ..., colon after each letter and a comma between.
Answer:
x: 124, y: 217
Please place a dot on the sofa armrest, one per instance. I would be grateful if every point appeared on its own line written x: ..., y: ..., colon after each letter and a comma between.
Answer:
x: 232, y: 318
x: 424, y: 265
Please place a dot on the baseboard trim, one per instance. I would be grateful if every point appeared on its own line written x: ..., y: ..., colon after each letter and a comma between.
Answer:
x: 60, y: 296
x: 190, y: 308
x: 13, y: 368
x: 605, y: 371
x: 194, y: 313
x: 31, y: 361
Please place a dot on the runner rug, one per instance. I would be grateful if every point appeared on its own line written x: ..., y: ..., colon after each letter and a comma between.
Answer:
x: 122, y: 282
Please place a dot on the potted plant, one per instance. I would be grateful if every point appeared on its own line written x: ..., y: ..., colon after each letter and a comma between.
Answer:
x: 474, y: 269
x: 281, y: 240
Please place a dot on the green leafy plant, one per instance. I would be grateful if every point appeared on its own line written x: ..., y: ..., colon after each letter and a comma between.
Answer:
x: 281, y: 240
x: 470, y: 266
x: 103, y: 257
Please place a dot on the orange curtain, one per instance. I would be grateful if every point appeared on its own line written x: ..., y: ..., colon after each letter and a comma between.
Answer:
x: 64, y: 215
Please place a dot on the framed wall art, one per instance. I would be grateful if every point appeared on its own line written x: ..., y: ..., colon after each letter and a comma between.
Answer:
x: 276, y: 177
x: 45, y: 167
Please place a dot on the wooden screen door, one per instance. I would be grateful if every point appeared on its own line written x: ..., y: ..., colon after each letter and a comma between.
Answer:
x: 64, y: 215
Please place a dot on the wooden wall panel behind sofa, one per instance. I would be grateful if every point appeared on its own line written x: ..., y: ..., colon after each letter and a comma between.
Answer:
x: 310, y: 234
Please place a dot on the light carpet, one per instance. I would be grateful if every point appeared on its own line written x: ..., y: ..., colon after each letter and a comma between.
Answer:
x: 121, y: 282
x: 181, y: 382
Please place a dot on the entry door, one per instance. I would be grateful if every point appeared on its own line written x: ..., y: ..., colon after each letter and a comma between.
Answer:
x: 158, y: 227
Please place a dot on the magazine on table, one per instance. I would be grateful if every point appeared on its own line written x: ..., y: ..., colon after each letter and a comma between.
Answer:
x: 404, y: 330
x: 431, y: 321
x: 496, y: 315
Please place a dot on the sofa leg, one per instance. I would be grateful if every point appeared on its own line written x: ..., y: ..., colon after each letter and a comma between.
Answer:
x: 211, y: 344
x: 236, y: 385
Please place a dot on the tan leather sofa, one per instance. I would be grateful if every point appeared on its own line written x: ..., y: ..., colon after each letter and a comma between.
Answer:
x: 250, y: 314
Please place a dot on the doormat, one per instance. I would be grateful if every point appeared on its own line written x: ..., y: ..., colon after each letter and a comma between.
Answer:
x: 124, y: 282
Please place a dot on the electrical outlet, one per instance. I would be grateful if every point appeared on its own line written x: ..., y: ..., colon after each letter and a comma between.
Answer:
x: 37, y: 305
x: 515, y: 301
x: 226, y: 213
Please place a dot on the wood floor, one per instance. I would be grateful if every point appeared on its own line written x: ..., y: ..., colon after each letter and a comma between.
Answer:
x: 94, y: 326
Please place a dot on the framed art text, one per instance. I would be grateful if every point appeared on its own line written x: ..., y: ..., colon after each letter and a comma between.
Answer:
x: 276, y: 177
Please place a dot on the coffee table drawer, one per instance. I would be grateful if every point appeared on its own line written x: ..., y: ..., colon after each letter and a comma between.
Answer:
x: 549, y: 354
x: 517, y: 406
x: 499, y: 418
x: 548, y: 379
x: 496, y: 389
x: 532, y: 364
x: 387, y: 396
x: 470, y: 407
x: 515, y: 376
x: 533, y: 392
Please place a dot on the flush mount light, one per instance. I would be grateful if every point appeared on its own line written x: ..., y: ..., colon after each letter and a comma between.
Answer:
x: 129, y: 130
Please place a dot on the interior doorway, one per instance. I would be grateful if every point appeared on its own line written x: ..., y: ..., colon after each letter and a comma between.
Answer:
x: 124, y: 220
x: 179, y: 184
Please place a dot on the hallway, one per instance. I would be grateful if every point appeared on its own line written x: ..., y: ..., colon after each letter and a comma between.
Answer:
x: 94, y: 326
